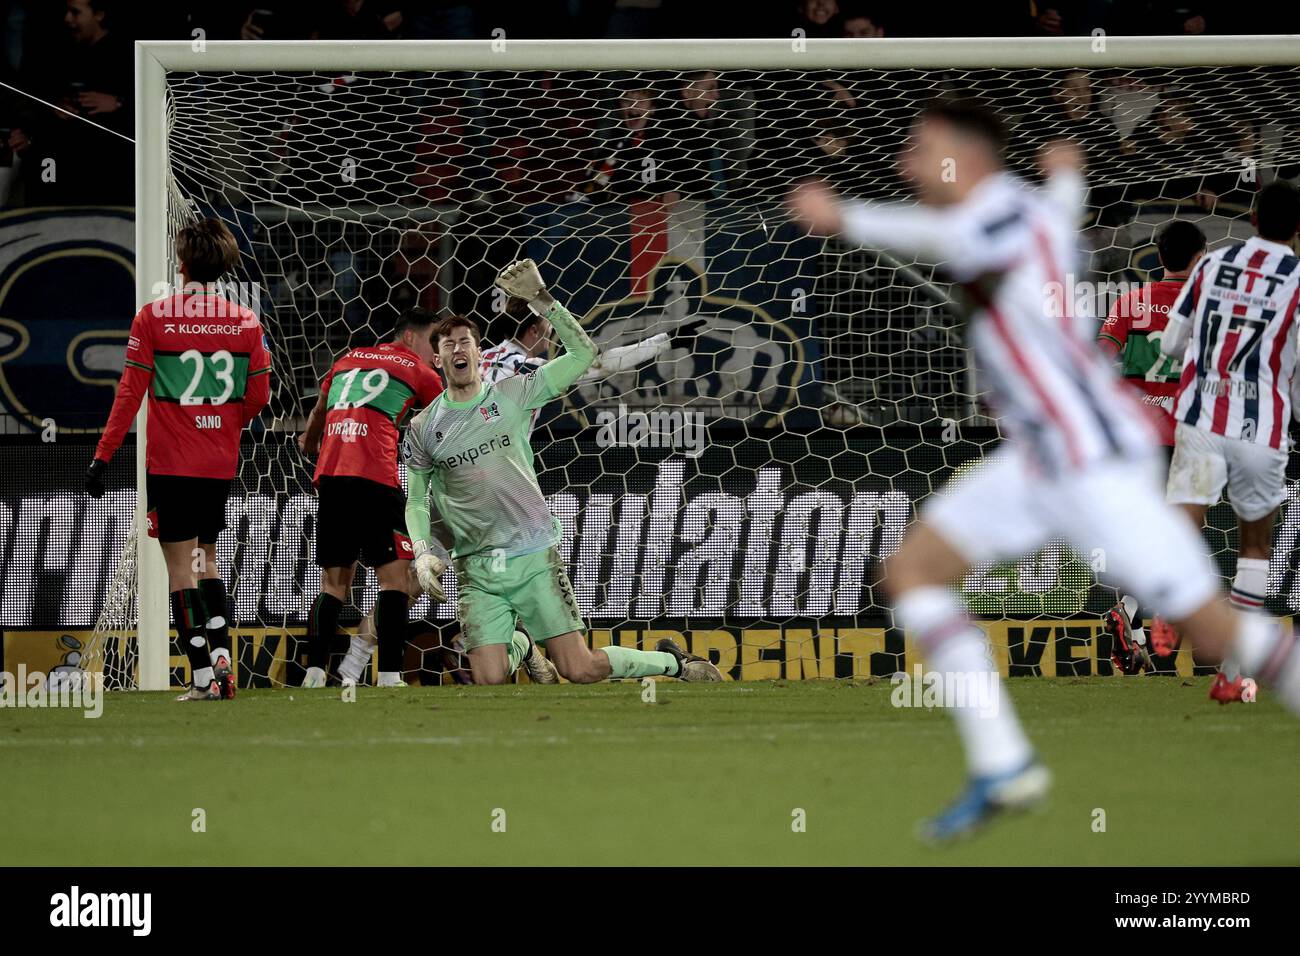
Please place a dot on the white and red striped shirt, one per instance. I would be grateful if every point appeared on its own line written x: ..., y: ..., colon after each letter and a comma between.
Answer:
x: 1237, y: 315
x: 509, y: 358
x: 1012, y: 251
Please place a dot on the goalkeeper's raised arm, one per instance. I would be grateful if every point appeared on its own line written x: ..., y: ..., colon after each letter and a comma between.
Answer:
x: 523, y: 280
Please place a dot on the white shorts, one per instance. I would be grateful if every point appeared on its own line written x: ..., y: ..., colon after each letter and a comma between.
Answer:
x: 1113, y: 514
x: 1204, y: 462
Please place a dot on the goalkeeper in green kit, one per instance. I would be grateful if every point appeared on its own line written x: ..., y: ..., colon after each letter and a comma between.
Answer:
x: 468, y: 455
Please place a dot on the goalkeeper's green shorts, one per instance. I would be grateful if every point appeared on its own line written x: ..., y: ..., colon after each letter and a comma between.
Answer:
x: 494, y: 590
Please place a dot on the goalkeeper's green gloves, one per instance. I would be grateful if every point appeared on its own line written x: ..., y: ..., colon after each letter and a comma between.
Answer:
x: 522, y: 280
x: 428, y: 571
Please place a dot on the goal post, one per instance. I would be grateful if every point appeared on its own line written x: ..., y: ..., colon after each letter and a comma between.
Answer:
x: 152, y: 272
x: 370, y: 230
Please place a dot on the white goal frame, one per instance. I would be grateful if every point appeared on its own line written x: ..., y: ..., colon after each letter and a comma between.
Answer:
x: 153, y: 60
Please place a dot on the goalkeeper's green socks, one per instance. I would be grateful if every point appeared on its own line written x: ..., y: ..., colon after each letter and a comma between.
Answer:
x: 629, y: 662
x: 191, y: 618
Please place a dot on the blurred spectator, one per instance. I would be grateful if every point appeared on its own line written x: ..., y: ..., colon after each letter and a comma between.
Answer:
x: 538, y: 136
x: 278, y: 20
x: 439, y: 19
x: 809, y: 126
x: 359, y: 20
x: 1056, y: 18
x: 632, y: 19
x: 1170, y: 150
x: 440, y: 155
x: 1128, y: 100
x: 832, y: 153
x: 1186, y: 18
x: 541, y: 138
x: 1244, y: 165
x: 863, y: 24
x: 819, y: 18
x: 1181, y: 16
x: 633, y: 165
x: 1072, y: 111
x: 710, y: 143
x: 64, y: 159
x: 102, y: 70
x: 1049, y: 22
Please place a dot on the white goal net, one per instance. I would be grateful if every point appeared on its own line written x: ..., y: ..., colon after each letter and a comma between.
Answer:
x: 740, y: 489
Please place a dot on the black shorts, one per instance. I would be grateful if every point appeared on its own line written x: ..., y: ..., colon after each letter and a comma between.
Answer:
x: 182, y: 508
x: 360, y: 519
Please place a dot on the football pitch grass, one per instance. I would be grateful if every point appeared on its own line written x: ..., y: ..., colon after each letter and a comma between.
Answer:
x: 711, y: 774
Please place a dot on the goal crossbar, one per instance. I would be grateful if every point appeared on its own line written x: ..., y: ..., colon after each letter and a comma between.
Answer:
x: 791, y: 53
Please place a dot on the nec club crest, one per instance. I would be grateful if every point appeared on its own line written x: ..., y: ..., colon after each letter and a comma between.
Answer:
x: 489, y: 412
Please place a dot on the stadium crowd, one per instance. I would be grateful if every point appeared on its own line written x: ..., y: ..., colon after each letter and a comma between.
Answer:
x: 708, y: 136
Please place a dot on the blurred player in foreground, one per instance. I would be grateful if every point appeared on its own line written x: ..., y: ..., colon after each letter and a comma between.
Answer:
x: 203, y: 361
x: 1080, y: 460
x: 365, y: 399
x: 468, y: 456
x: 1234, y: 329
x: 1132, y: 334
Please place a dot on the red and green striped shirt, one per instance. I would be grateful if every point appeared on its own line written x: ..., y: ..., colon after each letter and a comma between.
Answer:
x: 204, y: 364
x: 369, y: 395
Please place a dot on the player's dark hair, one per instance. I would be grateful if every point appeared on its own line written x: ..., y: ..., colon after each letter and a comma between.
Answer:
x: 207, y: 250
x: 452, y: 322
x: 1178, y: 243
x: 1277, y: 211
x: 523, y: 317
x: 414, y: 319
x: 969, y: 115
